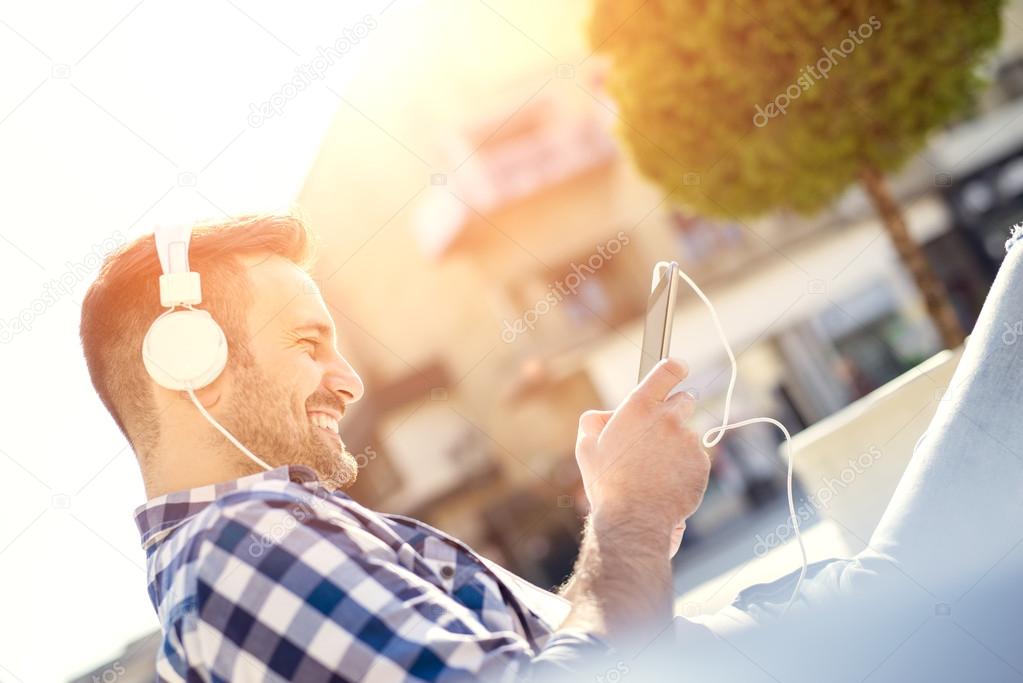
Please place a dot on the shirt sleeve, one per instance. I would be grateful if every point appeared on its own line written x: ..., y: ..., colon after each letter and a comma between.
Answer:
x: 283, y: 591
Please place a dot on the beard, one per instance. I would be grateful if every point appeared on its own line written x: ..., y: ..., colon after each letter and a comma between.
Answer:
x: 260, y: 414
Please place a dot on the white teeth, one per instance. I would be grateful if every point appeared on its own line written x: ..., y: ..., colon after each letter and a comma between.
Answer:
x: 325, y: 421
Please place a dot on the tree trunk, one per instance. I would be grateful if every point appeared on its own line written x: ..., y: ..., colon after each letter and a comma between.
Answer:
x: 933, y: 290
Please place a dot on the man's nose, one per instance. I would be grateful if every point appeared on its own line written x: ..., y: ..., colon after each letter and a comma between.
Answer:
x: 342, y: 378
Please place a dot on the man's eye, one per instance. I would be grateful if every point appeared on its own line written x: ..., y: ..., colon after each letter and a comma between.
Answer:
x: 311, y: 342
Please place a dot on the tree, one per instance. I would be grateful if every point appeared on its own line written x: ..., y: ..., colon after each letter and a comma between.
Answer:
x: 738, y: 108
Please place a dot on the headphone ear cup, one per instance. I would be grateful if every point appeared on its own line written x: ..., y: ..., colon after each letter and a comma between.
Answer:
x: 184, y: 348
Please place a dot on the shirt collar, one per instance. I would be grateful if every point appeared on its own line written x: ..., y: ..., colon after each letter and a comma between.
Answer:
x: 159, y: 516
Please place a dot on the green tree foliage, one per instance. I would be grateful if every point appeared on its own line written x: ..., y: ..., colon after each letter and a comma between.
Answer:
x: 863, y: 83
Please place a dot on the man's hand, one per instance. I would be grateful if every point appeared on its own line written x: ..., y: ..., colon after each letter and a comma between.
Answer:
x: 644, y: 473
x: 640, y: 461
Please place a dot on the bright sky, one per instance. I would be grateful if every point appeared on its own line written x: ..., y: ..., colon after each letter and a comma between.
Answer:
x: 115, y: 116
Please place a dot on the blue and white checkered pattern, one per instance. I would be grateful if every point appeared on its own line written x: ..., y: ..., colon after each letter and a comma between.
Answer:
x: 272, y: 577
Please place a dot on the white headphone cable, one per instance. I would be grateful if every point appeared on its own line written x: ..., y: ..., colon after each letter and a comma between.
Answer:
x: 713, y: 436
x: 223, y: 431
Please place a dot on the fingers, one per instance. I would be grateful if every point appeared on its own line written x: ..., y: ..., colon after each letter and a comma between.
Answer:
x: 683, y: 404
x: 676, y: 538
x: 662, y: 379
x: 592, y: 422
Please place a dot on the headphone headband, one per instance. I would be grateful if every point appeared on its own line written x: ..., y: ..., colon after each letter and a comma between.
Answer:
x: 172, y: 247
x: 178, y: 285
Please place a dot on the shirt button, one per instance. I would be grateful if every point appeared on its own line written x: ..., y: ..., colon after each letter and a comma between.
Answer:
x: 447, y: 571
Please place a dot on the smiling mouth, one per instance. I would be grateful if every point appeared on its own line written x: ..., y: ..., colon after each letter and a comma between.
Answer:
x: 326, y: 423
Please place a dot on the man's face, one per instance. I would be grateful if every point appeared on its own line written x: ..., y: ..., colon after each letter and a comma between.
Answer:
x: 284, y: 403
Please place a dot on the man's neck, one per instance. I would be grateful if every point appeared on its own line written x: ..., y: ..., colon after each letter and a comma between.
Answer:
x: 187, y: 468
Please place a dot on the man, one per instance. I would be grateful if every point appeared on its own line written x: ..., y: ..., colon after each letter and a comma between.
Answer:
x: 279, y: 575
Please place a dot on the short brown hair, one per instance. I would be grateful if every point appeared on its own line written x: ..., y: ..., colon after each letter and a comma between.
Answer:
x: 124, y: 301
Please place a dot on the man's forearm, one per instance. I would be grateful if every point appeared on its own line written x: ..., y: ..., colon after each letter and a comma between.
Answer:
x: 622, y: 582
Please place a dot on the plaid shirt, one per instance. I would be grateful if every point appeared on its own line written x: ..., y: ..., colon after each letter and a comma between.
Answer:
x: 272, y: 577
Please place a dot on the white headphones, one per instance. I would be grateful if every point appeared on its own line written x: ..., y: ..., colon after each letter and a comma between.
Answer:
x: 185, y: 349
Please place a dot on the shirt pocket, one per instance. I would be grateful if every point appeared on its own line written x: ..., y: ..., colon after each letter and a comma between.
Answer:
x: 442, y: 559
